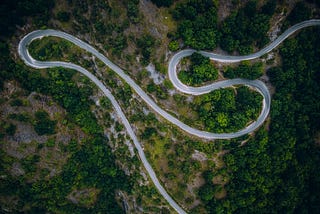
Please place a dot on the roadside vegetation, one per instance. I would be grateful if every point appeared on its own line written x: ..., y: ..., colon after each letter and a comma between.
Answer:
x: 228, y: 110
x: 200, y: 70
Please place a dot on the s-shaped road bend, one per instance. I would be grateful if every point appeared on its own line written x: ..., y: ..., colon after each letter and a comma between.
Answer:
x: 256, y: 84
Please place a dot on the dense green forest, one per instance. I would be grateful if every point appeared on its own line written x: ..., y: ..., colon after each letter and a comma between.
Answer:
x: 197, y: 23
x: 247, y: 27
x: 241, y: 31
x: 278, y: 171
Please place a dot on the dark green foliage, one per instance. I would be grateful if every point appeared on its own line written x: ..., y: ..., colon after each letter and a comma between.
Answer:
x: 50, y: 50
x: 201, y: 70
x: 133, y: 10
x: 197, y: 23
x: 148, y: 132
x: 174, y: 45
x: 29, y: 163
x: 269, y: 7
x: 161, y: 91
x: 247, y: 27
x: 145, y: 45
x: 163, y: 3
x: 43, y: 125
x: 118, y: 44
x: 246, y: 71
x: 63, y: 16
x: 9, y: 128
x: 23, y: 117
x: 13, y: 12
x: 90, y: 165
x: 317, y: 2
x: 125, y: 94
x: 299, y: 13
x: 224, y: 111
x: 16, y: 102
x: 280, y: 168
x: 206, y: 192
x: 106, y: 103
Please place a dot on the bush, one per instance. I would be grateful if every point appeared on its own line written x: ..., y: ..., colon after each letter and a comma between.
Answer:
x: 63, y: 16
x: 43, y: 124
x: 162, y: 3
x: 174, y: 45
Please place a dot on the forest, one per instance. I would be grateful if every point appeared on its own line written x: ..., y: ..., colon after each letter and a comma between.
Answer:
x: 91, y: 164
x: 245, y: 28
x: 279, y: 168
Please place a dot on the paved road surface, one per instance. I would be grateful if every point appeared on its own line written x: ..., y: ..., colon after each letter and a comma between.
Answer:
x: 255, y: 84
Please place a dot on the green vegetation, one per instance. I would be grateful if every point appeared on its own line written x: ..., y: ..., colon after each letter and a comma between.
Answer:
x: 174, y: 45
x: 200, y: 71
x: 275, y: 167
x: 197, y: 23
x: 118, y: 44
x: 145, y: 45
x: 163, y: 3
x: 227, y: 110
x: 43, y: 124
x: 280, y: 168
x: 247, y: 27
x: 244, y: 28
x: 49, y: 48
x: 90, y: 165
x: 160, y: 90
x: 16, y: 102
x: 14, y: 12
x: 299, y: 13
x: 7, y: 128
x: 245, y: 70
x: 133, y: 10
x: 23, y: 117
x: 63, y: 16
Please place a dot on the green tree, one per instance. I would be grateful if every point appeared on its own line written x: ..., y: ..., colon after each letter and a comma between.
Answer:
x: 43, y: 124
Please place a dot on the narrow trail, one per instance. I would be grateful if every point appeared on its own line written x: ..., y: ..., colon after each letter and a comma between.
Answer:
x: 256, y: 84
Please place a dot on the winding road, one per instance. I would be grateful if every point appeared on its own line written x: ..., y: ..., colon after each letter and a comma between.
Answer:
x: 256, y: 84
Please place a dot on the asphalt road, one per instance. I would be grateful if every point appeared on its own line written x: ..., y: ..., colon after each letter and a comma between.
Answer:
x: 255, y: 84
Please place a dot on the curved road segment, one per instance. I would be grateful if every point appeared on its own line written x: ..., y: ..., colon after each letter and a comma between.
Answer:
x: 256, y: 84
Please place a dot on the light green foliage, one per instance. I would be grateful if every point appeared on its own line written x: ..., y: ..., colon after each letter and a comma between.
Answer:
x: 173, y: 45
x: 224, y: 111
x: 48, y: 48
x: 201, y: 70
x: 222, y: 119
